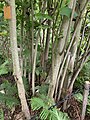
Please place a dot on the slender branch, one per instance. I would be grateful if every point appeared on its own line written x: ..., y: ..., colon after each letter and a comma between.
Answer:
x: 33, y: 57
x: 80, y: 66
x: 68, y: 47
x: 34, y: 65
x: 63, y: 77
x: 84, y: 27
x: 85, y: 99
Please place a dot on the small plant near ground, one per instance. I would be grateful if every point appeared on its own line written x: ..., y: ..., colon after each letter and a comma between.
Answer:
x: 8, y: 94
x: 42, y: 104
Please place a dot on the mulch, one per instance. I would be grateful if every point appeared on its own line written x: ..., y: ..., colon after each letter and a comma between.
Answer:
x: 74, y: 111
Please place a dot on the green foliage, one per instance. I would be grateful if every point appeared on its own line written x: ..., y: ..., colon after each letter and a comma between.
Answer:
x: 83, y: 76
x: 41, y: 72
x: 8, y: 100
x: 44, y: 26
x: 3, y: 68
x: 67, y: 12
x: 1, y: 59
x: 42, y: 16
x: 26, y: 84
x: 86, y: 71
x: 43, y: 89
x: 79, y: 97
x: 64, y: 3
x: 1, y: 114
x: 7, y: 97
x: 42, y: 103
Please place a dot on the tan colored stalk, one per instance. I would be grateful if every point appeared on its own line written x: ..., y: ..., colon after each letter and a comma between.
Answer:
x: 58, y: 56
x: 22, y: 40
x: 34, y: 65
x: 84, y: 59
x: 85, y: 99
x: 47, y: 43
x: 16, y: 64
x: 83, y: 5
x: 25, y: 65
x: 72, y: 5
x: 63, y: 77
x: 77, y: 36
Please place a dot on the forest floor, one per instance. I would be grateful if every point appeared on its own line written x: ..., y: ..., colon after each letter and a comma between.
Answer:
x: 74, y: 110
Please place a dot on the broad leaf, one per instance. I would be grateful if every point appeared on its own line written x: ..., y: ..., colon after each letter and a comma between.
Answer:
x: 43, y: 16
x: 3, y: 68
x: 65, y: 11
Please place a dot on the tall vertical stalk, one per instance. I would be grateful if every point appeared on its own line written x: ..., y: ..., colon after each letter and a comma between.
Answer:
x: 16, y: 64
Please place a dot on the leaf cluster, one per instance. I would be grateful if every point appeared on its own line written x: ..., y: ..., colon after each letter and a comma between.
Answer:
x: 42, y: 104
x: 8, y: 94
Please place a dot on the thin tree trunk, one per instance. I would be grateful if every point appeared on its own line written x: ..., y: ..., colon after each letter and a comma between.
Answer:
x: 34, y: 66
x: 85, y: 99
x: 52, y: 69
x: 59, y: 52
x: 58, y: 55
x: 63, y: 77
x: 84, y: 59
x: 16, y: 64
x: 83, y: 5
x: 47, y: 44
x: 73, y: 4
x: 22, y: 39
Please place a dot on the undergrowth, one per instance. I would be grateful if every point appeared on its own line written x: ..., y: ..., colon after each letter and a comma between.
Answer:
x: 42, y: 104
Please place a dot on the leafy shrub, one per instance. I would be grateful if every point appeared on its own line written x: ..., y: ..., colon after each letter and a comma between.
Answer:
x: 1, y: 114
x: 7, y: 97
x: 43, y: 89
x: 42, y: 103
x: 3, y: 68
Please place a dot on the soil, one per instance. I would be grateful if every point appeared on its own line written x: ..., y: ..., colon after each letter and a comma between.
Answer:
x: 73, y: 110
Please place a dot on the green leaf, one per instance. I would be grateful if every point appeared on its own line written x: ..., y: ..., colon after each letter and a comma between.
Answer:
x: 37, y: 103
x: 58, y: 115
x: 75, y: 14
x: 79, y: 97
x: 8, y: 88
x: 37, y: 72
x: 44, y: 26
x: 65, y: 11
x: 1, y: 114
x: 43, y: 16
x: 26, y: 83
x: 1, y: 14
x: 44, y: 114
x: 44, y: 102
x: 3, y: 68
x: 8, y: 100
